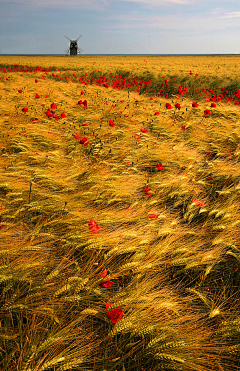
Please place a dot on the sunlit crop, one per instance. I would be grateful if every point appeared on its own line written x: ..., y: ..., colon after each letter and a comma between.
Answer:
x: 119, y: 213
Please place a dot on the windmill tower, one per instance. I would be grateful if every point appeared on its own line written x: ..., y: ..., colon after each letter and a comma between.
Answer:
x: 73, y: 49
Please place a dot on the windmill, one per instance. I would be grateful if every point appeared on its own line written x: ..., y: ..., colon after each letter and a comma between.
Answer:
x: 73, y: 49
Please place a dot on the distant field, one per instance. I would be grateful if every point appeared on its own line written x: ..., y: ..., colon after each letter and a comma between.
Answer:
x: 119, y: 213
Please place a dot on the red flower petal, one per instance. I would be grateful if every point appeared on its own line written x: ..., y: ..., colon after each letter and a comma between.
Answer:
x: 93, y: 226
x: 159, y: 166
x: 103, y: 274
x: 198, y: 202
x: 76, y: 135
x: 108, y: 305
x: 106, y: 284
x: 82, y: 140
x: 146, y: 189
x: 115, y: 314
x: 207, y: 112
x: 194, y: 104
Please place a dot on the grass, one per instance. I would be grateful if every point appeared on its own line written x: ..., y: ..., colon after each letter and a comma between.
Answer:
x: 171, y: 251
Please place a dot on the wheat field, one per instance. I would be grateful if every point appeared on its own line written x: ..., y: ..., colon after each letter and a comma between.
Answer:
x: 119, y: 213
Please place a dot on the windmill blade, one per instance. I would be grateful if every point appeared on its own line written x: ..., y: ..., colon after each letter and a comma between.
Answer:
x: 68, y: 38
x: 79, y: 37
x: 80, y: 50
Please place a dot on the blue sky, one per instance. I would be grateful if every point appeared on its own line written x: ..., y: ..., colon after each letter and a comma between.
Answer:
x: 120, y: 26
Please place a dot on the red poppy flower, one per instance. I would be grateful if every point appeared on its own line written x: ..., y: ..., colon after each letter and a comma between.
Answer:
x: 86, y: 144
x: 80, y: 102
x: 194, y: 104
x: 177, y: 106
x: 159, y: 166
x: 57, y: 118
x: 7, y: 114
x: 198, y: 202
x: 152, y: 216
x: 76, y: 135
x: 144, y: 130
x: 207, y: 112
x: 36, y: 80
x: 168, y: 106
x: 85, y: 103
x: 115, y: 314
x: 184, y: 127
x: 146, y: 189
x: 84, y: 124
x: 25, y: 109
x: 122, y: 101
x: 53, y: 105
x: 82, y: 140
x: 156, y: 113
x: 93, y: 226
x: 103, y: 274
x: 20, y: 91
x: 111, y: 123
x: 82, y: 92
x: 63, y: 115
x: 106, y: 284
x: 137, y: 137
x: 208, y: 153
x: 37, y: 96
x: 213, y: 105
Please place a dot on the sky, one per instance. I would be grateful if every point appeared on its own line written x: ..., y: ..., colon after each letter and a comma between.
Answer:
x: 120, y: 26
